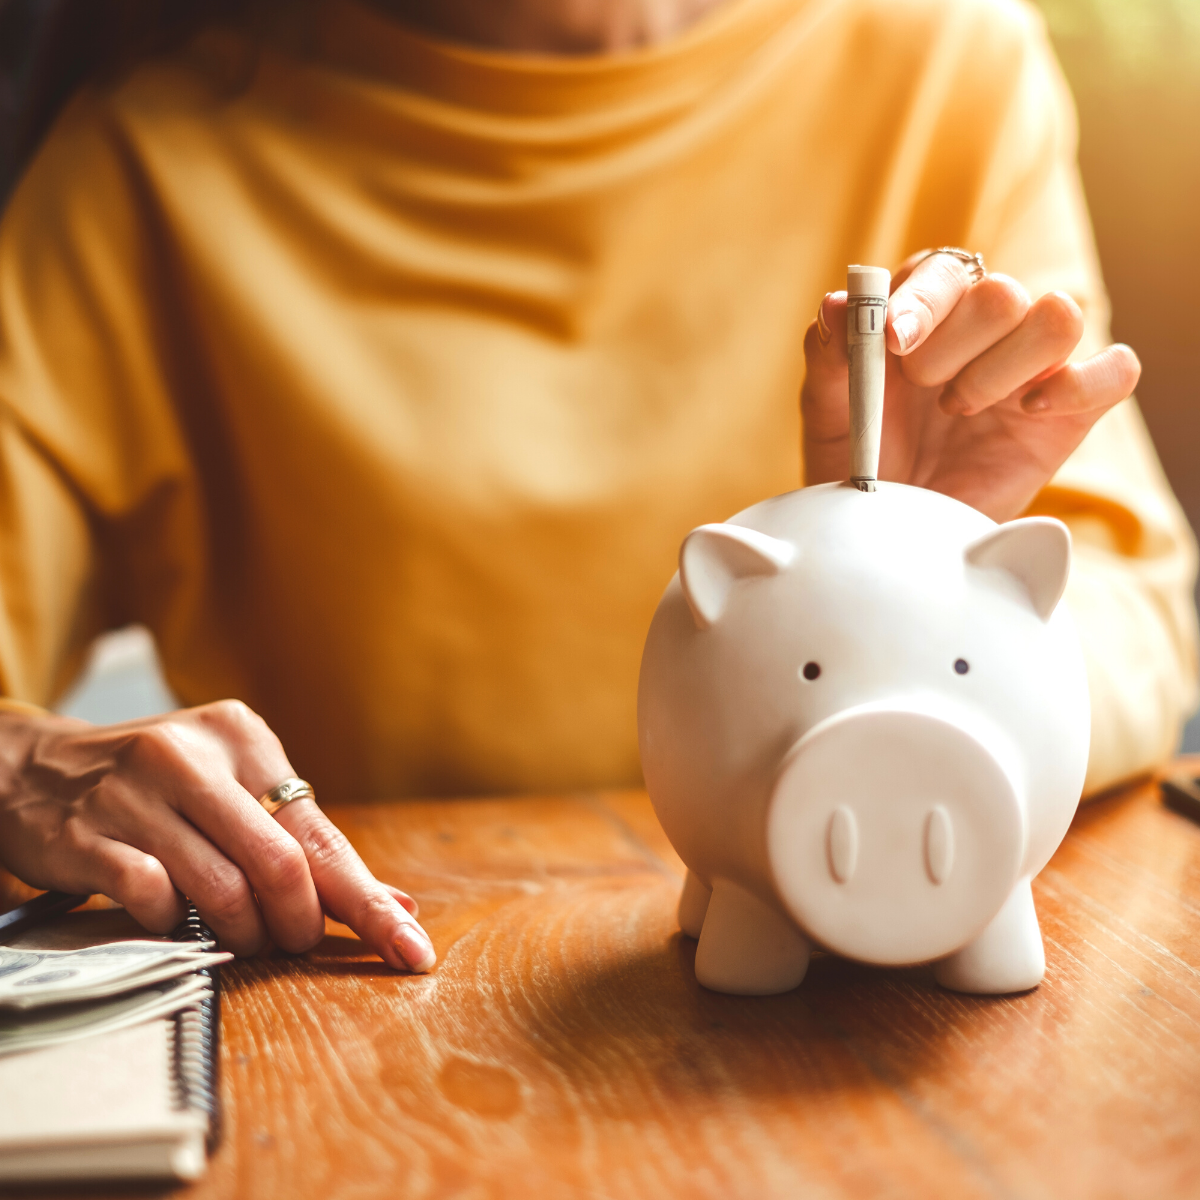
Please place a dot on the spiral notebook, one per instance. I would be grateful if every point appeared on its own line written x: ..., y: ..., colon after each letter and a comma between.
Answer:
x: 137, y: 1103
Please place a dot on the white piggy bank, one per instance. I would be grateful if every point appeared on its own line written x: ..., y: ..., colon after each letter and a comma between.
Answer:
x: 864, y: 724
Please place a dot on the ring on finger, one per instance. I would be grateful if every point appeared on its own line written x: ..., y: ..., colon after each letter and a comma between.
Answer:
x: 283, y: 793
x: 974, y: 261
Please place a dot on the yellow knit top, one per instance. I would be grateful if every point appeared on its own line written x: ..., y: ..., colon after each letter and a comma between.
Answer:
x: 382, y: 377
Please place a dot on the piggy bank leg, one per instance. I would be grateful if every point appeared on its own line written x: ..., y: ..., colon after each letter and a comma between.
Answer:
x: 748, y: 948
x: 693, y: 904
x: 1006, y: 957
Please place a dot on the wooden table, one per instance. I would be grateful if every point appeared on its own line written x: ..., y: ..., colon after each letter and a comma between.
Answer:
x: 562, y: 1048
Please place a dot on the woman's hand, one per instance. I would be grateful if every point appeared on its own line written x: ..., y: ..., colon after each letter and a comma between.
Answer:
x: 981, y: 402
x: 150, y: 811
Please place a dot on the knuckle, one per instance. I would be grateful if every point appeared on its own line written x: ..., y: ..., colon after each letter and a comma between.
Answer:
x: 235, y: 715
x: 326, y: 844
x: 373, y: 906
x: 1062, y: 317
x: 284, y: 866
x: 226, y: 894
x: 164, y: 745
x: 73, y: 841
x: 109, y: 800
x: 142, y: 882
x: 229, y: 710
x: 73, y: 837
x: 1002, y: 298
x: 925, y: 304
x: 236, y: 722
x: 947, y: 276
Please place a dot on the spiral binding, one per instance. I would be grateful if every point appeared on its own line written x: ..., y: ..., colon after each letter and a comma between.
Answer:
x: 198, y: 1036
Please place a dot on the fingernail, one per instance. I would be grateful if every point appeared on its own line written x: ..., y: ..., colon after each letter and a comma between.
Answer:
x: 907, y: 329
x: 1035, y: 402
x: 823, y: 331
x: 415, y: 948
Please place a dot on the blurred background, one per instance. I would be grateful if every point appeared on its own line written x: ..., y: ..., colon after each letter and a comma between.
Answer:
x: 1134, y: 66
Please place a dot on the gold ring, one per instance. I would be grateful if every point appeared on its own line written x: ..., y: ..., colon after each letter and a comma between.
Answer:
x: 974, y: 261
x: 284, y: 793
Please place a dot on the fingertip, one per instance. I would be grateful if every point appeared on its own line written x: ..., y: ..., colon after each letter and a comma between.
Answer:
x: 825, y: 338
x: 823, y: 332
x: 903, y: 333
x: 415, y: 948
x: 1067, y: 300
x: 1133, y: 364
x: 1066, y: 315
x: 140, y: 884
x: 159, y: 919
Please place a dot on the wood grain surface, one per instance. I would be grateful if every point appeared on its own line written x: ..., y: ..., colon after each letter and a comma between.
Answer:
x: 562, y: 1047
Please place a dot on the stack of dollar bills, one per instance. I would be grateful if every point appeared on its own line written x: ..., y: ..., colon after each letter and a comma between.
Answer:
x: 53, y: 996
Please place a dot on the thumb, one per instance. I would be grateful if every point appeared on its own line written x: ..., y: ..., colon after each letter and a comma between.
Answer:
x: 824, y: 396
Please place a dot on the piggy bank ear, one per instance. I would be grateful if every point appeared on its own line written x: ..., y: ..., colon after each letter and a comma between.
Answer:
x: 1036, y: 551
x: 714, y: 557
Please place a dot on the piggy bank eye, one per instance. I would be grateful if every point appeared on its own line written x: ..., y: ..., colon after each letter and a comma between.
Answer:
x: 961, y: 666
x: 811, y: 671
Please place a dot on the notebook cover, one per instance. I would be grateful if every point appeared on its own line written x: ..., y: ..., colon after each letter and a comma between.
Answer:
x: 136, y: 1103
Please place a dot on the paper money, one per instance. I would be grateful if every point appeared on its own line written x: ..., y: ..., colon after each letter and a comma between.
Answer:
x: 31, y: 979
x: 65, y: 1023
x: 866, y: 316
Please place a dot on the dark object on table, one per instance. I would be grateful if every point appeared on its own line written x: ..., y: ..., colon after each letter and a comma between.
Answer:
x: 41, y: 908
x: 1182, y: 793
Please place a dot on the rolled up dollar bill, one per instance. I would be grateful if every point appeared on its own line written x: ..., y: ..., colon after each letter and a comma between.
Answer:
x: 866, y: 316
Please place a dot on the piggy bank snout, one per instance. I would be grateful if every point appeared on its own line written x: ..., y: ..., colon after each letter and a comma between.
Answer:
x: 894, y: 836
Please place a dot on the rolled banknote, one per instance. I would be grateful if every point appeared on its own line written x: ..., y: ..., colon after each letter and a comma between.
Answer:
x: 866, y: 316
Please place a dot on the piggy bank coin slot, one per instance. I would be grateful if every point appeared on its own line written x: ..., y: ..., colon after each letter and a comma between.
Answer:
x: 811, y: 671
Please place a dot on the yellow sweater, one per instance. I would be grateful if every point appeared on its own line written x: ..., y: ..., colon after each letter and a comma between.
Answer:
x: 382, y: 378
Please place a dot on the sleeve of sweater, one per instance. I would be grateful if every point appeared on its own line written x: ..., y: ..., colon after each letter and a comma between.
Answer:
x: 98, y: 518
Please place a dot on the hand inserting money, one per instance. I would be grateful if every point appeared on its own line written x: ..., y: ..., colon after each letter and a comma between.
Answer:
x: 981, y: 403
